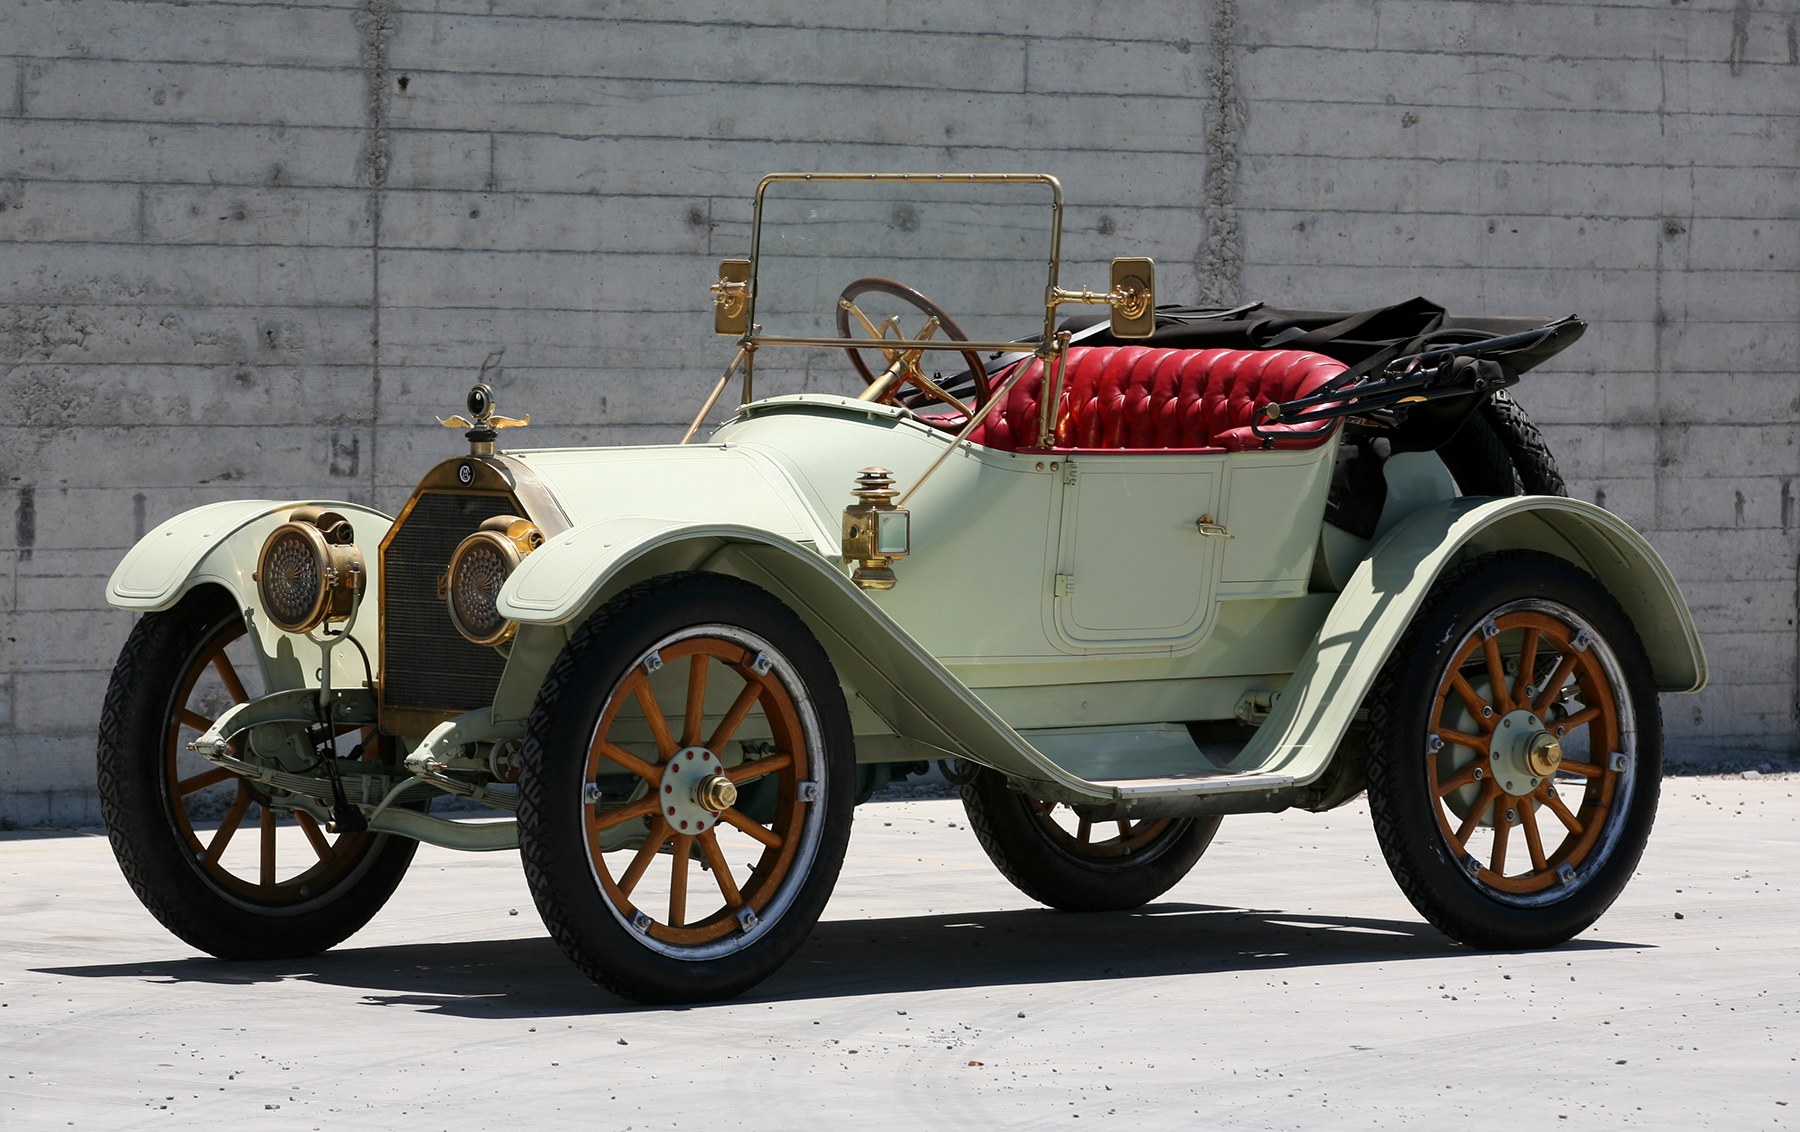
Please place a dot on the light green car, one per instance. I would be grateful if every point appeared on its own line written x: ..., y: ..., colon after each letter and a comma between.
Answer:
x: 1118, y: 574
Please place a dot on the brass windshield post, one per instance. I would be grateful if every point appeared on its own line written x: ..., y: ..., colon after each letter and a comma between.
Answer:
x: 737, y: 360
x: 749, y: 348
x: 1050, y: 387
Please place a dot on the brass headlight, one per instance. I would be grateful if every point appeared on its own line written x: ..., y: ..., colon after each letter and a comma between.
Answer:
x: 310, y: 570
x: 479, y: 566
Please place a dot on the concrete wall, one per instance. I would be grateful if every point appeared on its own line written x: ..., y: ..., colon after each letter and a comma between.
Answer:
x: 251, y: 248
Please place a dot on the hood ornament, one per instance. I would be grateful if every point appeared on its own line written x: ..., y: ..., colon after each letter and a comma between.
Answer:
x: 483, y: 423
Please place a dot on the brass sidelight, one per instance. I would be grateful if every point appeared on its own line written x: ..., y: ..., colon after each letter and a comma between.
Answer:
x: 875, y: 531
x: 1132, y: 297
x: 1134, y: 307
x: 731, y: 298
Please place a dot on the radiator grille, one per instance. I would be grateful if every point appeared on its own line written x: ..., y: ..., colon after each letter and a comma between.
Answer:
x: 425, y: 662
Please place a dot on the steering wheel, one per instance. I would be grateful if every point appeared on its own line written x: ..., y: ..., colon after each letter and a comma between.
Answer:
x: 894, y: 349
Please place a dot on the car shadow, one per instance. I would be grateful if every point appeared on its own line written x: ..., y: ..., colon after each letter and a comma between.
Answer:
x: 530, y: 977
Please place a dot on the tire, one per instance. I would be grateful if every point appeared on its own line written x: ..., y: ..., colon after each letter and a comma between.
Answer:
x: 1030, y: 843
x: 1524, y: 445
x: 1453, y: 785
x: 1498, y: 451
x: 608, y: 826
x: 282, y: 899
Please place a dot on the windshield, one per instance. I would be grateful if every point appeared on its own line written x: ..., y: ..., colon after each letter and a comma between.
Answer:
x: 980, y: 249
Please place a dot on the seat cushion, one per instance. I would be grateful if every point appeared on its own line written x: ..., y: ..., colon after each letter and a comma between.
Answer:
x: 1136, y: 398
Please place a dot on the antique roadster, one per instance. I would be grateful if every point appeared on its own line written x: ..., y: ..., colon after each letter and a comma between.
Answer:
x: 1119, y: 574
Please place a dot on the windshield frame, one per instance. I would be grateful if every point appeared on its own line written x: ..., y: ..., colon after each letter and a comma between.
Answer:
x: 755, y: 339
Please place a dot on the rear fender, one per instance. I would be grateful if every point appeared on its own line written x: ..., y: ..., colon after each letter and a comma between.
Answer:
x: 1387, y: 589
x: 882, y: 669
x: 218, y: 544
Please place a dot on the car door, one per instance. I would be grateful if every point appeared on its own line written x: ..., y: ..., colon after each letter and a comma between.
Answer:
x: 1133, y: 566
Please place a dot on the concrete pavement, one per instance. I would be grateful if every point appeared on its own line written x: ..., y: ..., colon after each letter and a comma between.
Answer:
x: 1284, y: 984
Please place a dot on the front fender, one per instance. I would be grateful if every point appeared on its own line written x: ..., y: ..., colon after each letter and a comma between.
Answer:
x: 876, y: 660
x: 219, y: 543
x: 1387, y: 589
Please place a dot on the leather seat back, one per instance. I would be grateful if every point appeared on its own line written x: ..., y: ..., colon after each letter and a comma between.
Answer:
x: 1135, y: 398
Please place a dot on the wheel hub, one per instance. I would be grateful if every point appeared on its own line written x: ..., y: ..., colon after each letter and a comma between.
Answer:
x: 1522, y: 752
x: 694, y: 790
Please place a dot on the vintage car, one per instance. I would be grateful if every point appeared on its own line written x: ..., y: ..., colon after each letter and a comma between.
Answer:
x: 1119, y: 575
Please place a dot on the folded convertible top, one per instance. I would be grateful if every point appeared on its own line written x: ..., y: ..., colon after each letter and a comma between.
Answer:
x: 1352, y: 337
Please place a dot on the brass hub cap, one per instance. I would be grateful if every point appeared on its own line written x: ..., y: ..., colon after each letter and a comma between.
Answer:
x: 1543, y: 754
x: 717, y: 793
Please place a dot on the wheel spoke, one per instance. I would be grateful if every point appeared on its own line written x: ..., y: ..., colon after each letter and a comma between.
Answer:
x: 678, y: 879
x: 1473, y: 742
x: 268, y: 846
x: 617, y: 754
x: 646, y: 853
x: 1459, y: 780
x: 1497, y: 674
x: 1585, y: 770
x: 1527, y: 664
x: 1581, y: 719
x: 1482, y: 801
x: 193, y: 719
x: 1084, y: 831
x: 1547, y: 695
x: 313, y: 834
x: 1470, y: 699
x: 659, y: 725
x: 740, y: 708
x: 1569, y: 820
x: 644, y: 807
x: 1533, y: 840
x: 740, y: 820
x: 229, y: 675
x: 201, y: 781
x: 754, y: 769
x: 696, y: 700
x: 1502, y: 829
x: 715, y: 860
x: 228, y: 825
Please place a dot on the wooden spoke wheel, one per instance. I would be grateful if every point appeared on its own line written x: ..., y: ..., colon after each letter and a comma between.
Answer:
x: 685, y: 789
x: 215, y: 857
x: 1056, y: 857
x: 1515, y: 752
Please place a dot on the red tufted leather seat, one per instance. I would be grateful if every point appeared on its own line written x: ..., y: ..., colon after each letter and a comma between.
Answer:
x: 1135, y: 398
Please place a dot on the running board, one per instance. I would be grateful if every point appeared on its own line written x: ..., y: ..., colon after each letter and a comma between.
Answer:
x: 1160, y: 771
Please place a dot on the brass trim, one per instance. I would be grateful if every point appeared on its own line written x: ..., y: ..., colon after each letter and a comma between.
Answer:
x: 1050, y: 387
x: 1132, y: 297
x: 512, y: 538
x: 861, y: 546
x: 956, y: 344
x: 336, y: 560
x: 731, y: 297
x: 716, y: 793
x: 737, y: 360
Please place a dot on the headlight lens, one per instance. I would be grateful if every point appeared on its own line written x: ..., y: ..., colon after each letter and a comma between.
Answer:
x: 479, y: 568
x: 309, y: 571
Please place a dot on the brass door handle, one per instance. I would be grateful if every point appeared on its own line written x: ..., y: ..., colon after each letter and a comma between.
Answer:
x: 1210, y: 529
